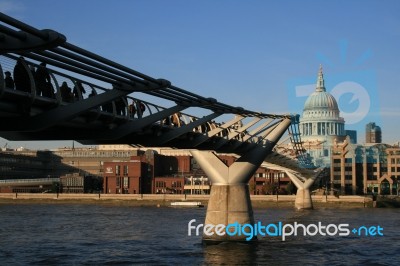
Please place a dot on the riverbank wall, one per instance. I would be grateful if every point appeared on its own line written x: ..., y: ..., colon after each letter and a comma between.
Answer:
x: 258, y: 201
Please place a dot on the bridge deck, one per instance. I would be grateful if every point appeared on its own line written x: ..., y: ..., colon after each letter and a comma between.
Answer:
x: 82, y: 96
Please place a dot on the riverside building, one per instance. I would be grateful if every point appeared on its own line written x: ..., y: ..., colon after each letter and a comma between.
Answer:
x: 365, y: 169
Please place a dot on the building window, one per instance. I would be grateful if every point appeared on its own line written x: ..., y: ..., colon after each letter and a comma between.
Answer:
x: 125, y: 170
x: 126, y: 182
x: 117, y: 181
x: 160, y: 184
x: 117, y: 169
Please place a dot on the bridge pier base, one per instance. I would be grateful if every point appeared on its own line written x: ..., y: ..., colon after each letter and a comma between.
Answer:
x: 229, y: 204
x: 303, y: 199
x: 303, y: 195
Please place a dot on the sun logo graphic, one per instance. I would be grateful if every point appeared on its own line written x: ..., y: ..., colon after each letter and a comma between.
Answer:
x: 354, y: 90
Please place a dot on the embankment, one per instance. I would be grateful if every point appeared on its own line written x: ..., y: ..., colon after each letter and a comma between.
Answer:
x: 258, y: 201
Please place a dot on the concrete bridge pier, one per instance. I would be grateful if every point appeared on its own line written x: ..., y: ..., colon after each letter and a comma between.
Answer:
x: 303, y: 196
x: 229, y: 201
x: 303, y: 199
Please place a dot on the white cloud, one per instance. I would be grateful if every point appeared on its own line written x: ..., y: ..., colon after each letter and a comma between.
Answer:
x: 390, y: 112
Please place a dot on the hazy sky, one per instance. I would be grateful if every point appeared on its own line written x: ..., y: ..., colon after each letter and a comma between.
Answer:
x: 254, y: 54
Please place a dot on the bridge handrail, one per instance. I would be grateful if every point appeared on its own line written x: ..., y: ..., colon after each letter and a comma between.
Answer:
x: 185, y: 117
x: 91, y: 85
x: 54, y: 50
x: 113, y: 73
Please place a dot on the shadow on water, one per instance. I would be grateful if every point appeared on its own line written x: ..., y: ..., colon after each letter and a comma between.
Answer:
x: 230, y: 253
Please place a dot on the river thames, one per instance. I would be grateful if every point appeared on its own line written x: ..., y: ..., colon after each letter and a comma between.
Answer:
x: 85, y: 234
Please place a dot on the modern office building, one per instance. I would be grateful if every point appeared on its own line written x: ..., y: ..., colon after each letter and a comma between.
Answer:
x: 365, y: 169
x: 76, y: 183
x: 352, y: 135
x: 28, y: 164
x: 373, y: 133
x: 87, y: 161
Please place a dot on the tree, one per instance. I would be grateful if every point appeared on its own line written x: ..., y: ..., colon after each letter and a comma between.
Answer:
x: 291, y: 188
x: 270, y: 188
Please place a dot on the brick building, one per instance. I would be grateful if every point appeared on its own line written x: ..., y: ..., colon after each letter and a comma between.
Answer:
x: 169, y: 185
x: 268, y: 181
x: 127, y: 177
x: 147, y: 172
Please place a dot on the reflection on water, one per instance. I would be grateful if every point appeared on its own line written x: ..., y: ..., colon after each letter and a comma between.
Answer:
x: 65, y: 234
x: 231, y: 254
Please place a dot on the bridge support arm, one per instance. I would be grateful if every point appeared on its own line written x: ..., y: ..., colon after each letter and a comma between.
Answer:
x: 229, y: 201
x: 303, y: 195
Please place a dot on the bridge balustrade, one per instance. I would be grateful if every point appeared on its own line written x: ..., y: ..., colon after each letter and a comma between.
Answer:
x: 113, y: 109
x: 138, y: 110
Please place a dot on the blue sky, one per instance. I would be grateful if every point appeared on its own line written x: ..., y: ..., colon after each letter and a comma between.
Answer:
x: 244, y: 53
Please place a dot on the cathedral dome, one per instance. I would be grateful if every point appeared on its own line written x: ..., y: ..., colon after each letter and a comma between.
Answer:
x: 321, y: 119
x: 321, y: 125
x: 321, y: 104
x: 321, y: 99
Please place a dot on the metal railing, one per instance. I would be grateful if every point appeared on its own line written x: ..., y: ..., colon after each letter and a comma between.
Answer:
x: 89, y: 70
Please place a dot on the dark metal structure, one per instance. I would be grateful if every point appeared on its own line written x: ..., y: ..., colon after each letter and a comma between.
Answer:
x: 104, y: 109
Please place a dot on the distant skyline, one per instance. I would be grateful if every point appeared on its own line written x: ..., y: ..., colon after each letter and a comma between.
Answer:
x: 243, y: 53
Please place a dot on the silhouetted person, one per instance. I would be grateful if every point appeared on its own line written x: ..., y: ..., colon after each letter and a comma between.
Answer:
x: 21, y: 76
x: 8, y: 80
x: 42, y: 80
x: 142, y: 108
x: 132, y: 109
x: 78, y: 87
x: 120, y: 106
x: 66, y: 93
x: 176, y: 119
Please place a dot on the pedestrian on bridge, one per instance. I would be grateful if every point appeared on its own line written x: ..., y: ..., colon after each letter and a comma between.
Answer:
x: 42, y: 80
x: 21, y: 76
x: 9, y: 80
x: 66, y: 93
x: 120, y: 105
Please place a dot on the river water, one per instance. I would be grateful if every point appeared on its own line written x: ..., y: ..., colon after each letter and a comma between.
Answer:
x: 82, y: 234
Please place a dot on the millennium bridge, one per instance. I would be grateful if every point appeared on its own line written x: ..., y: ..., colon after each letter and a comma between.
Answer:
x: 51, y: 89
